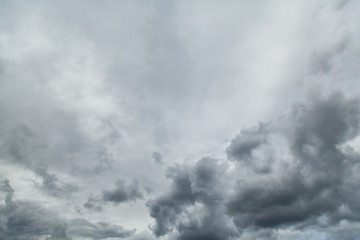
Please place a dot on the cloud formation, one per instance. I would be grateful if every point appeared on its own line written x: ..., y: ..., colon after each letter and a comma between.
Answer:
x: 198, y: 188
x: 123, y: 192
x: 313, y: 182
x: 28, y: 220
x: 183, y: 120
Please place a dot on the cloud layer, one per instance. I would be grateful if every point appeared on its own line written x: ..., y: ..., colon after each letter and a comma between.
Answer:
x: 179, y: 120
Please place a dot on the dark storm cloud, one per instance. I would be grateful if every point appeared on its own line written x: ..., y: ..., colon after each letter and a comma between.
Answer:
x: 190, y: 186
x: 93, y: 203
x: 246, y: 147
x: 243, y: 145
x: 166, y: 208
x: 318, y: 129
x: 23, y: 220
x: 28, y: 220
x: 123, y: 192
x: 316, y: 179
x: 315, y: 186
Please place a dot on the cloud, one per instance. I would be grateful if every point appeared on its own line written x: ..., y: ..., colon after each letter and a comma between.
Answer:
x: 341, y: 4
x: 313, y: 185
x: 250, y: 147
x: 315, y: 179
x: 29, y: 220
x: 52, y: 185
x: 123, y: 192
x: 247, y: 141
x: 193, y: 205
x: 166, y: 208
x: 100, y: 230
x: 97, y: 91
x: 158, y: 158
x: 104, y: 163
x: 93, y: 203
x: 321, y: 60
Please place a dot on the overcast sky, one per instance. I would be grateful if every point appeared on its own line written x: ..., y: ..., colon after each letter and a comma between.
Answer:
x: 180, y: 120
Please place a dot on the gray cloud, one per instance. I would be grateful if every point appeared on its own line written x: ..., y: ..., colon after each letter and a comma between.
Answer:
x: 200, y: 185
x: 315, y: 180
x: 52, y: 185
x: 100, y: 230
x: 247, y: 141
x: 341, y: 4
x: 250, y: 148
x: 28, y: 220
x: 123, y: 192
x: 166, y: 208
x: 89, y: 90
x: 315, y: 185
x: 104, y: 163
x: 93, y: 203
x: 321, y: 60
x: 157, y: 156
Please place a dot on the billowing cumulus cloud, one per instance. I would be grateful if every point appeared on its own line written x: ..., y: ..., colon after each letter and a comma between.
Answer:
x: 193, y: 206
x: 309, y: 187
x: 314, y: 186
x: 247, y: 141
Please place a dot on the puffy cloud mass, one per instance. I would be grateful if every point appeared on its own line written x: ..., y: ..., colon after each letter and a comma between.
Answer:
x: 312, y: 186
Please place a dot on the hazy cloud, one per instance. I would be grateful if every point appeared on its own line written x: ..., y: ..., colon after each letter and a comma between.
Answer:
x: 100, y: 230
x: 181, y: 119
x: 29, y: 220
x: 157, y: 156
x: 52, y: 185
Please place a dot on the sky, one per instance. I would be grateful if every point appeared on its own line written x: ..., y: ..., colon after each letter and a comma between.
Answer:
x: 179, y: 120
